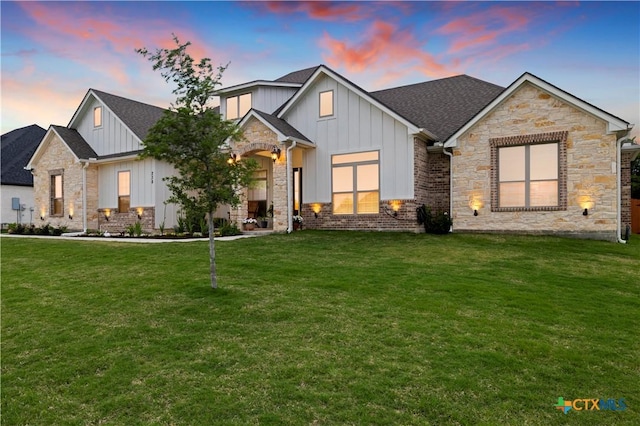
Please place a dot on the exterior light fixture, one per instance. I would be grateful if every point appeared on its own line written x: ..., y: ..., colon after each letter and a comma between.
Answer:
x: 316, y: 209
x: 275, y: 153
x: 41, y: 217
x: 70, y: 217
x: 140, y: 210
x: 585, y: 212
x: 233, y: 159
x: 395, y: 206
x: 107, y: 213
x: 475, y: 212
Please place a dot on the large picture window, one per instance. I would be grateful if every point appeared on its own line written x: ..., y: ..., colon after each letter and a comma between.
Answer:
x: 238, y: 106
x: 355, y: 180
x: 124, y: 191
x: 529, y: 172
x: 57, y: 200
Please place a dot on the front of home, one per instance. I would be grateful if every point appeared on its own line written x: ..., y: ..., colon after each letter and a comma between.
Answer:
x: 529, y: 158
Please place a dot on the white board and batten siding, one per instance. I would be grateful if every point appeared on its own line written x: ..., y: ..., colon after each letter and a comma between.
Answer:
x: 113, y: 137
x: 356, y: 126
x: 142, y: 194
x: 165, y: 212
x: 263, y: 98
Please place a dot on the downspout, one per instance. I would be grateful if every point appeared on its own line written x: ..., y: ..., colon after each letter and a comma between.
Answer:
x: 289, y: 189
x: 84, y: 196
x: 444, y: 150
x: 619, y: 143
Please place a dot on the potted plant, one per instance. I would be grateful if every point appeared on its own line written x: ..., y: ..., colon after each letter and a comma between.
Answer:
x: 249, y: 224
x: 297, y: 222
x: 263, y: 222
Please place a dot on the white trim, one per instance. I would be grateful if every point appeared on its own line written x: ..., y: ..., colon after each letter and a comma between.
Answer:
x: 413, y: 129
x: 614, y: 124
x: 256, y: 83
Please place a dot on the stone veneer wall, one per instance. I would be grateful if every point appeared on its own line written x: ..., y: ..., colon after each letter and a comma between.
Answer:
x: 258, y: 137
x: 590, y: 154
x: 57, y: 157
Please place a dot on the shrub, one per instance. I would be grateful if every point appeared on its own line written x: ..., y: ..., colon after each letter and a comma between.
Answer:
x: 229, y: 229
x: 438, y: 223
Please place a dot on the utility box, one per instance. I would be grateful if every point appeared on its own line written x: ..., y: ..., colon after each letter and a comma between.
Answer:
x: 15, y: 203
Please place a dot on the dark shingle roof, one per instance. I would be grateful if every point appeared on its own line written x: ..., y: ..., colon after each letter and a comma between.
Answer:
x: 440, y: 106
x: 282, y: 126
x: 138, y: 117
x: 75, y: 142
x: 17, y: 148
x: 299, y: 76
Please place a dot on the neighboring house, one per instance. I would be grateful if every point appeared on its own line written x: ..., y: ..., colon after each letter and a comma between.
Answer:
x: 529, y: 158
x: 87, y: 175
x: 17, y: 183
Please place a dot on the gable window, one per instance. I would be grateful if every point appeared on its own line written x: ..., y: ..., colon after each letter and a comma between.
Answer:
x: 529, y: 172
x: 97, y: 117
x: 326, y: 103
x: 124, y: 191
x: 57, y: 201
x: 238, y: 106
x: 355, y: 183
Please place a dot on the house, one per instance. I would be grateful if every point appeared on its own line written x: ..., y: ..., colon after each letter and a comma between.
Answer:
x: 529, y: 158
x: 88, y: 175
x: 17, y: 183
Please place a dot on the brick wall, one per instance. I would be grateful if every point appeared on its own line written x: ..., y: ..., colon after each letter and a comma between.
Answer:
x: 625, y: 179
x: 119, y: 222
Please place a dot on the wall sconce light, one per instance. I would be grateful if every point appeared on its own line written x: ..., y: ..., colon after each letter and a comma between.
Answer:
x: 316, y: 209
x: 140, y: 210
x: 475, y: 212
x: 42, y: 213
x: 233, y: 159
x: 395, y: 206
x: 585, y: 212
x: 275, y: 153
x: 586, y: 204
x: 70, y: 217
x: 107, y: 213
x: 41, y: 217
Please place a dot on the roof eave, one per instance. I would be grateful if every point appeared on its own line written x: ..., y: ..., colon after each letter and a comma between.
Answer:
x: 256, y: 83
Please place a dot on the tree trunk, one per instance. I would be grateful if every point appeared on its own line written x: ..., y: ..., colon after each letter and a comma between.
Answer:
x: 212, y: 254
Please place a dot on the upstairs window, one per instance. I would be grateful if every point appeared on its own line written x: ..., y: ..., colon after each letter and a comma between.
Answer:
x: 238, y: 106
x: 124, y: 191
x: 326, y: 103
x: 97, y: 117
x: 356, y: 183
x: 57, y: 200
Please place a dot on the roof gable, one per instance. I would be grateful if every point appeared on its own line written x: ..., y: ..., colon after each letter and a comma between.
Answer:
x: 74, y: 142
x: 283, y: 130
x: 17, y: 148
x: 614, y: 124
x: 138, y: 117
x: 323, y: 70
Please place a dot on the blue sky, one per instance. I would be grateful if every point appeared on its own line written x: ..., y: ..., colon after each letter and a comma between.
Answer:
x: 53, y: 52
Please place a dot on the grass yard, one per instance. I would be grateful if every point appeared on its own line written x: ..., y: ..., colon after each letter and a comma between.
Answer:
x: 320, y: 328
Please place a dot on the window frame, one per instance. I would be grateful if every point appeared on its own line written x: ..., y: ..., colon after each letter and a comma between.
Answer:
x: 238, y: 104
x: 527, y: 140
x: 53, y: 174
x: 97, y: 114
x: 353, y: 165
x: 320, y: 103
x: 123, y: 199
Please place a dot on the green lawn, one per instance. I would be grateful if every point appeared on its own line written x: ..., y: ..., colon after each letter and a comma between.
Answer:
x: 320, y: 328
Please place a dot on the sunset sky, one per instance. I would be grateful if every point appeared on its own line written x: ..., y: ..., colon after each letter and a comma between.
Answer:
x: 53, y: 52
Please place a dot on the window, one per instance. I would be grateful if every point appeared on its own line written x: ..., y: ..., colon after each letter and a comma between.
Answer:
x: 297, y: 189
x: 238, y: 106
x: 326, y: 103
x: 57, y: 200
x: 530, y: 172
x: 356, y: 183
x: 124, y: 191
x: 97, y: 117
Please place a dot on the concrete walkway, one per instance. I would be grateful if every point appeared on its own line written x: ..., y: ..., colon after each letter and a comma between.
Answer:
x: 141, y: 240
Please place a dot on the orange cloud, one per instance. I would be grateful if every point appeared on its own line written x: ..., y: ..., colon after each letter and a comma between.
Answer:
x: 484, y: 28
x: 321, y: 10
x: 384, y: 47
